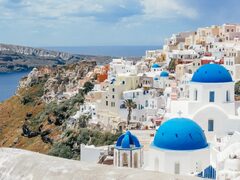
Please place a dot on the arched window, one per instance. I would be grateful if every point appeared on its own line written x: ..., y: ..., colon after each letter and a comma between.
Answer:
x: 156, y: 164
x: 125, y: 160
x: 136, y: 160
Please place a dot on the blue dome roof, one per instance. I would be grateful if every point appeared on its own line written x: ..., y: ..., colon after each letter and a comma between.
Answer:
x: 180, y: 134
x: 164, y: 74
x: 212, y: 73
x: 155, y: 66
x: 127, y: 141
x: 155, y: 78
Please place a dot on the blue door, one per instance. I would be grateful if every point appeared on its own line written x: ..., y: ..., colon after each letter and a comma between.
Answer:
x: 211, y: 96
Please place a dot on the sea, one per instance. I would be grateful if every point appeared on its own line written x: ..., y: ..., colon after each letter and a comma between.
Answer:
x: 115, y: 51
x: 9, y: 81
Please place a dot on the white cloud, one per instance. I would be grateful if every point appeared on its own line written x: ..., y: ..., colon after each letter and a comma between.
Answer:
x: 167, y: 9
x: 51, y: 9
x: 103, y: 10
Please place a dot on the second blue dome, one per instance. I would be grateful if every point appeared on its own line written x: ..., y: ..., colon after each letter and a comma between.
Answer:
x: 180, y: 134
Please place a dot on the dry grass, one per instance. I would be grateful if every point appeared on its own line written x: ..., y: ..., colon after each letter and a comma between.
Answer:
x: 12, y: 117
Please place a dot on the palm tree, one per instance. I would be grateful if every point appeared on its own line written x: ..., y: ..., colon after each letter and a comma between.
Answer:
x: 129, y: 104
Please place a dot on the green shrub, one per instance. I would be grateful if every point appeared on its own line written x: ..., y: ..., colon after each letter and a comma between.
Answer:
x: 72, y: 139
x: 83, y: 121
x: 88, y: 86
x: 26, y: 99
x: 61, y: 150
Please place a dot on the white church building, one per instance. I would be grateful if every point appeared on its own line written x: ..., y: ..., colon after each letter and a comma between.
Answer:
x: 179, y: 147
x: 211, y: 101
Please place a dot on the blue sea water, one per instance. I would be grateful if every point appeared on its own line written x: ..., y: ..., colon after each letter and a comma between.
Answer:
x: 118, y: 51
x: 9, y: 83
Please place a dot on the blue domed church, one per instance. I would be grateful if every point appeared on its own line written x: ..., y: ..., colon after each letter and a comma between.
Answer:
x: 179, y: 147
x: 210, y: 102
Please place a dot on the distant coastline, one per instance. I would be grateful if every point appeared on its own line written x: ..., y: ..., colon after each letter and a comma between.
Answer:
x: 114, y: 51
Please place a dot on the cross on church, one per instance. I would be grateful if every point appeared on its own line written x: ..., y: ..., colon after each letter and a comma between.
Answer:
x: 180, y: 113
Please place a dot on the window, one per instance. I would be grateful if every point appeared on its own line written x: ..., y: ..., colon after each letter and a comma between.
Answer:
x: 146, y: 103
x: 177, y: 168
x: 106, y: 103
x: 195, y: 95
x: 112, y: 104
x: 227, y: 96
x: 113, y: 90
x: 113, y: 96
x: 210, y: 125
x: 211, y: 96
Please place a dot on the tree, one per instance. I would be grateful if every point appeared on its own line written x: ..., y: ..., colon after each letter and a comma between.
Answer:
x: 87, y: 87
x: 172, y: 65
x: 129, y: 104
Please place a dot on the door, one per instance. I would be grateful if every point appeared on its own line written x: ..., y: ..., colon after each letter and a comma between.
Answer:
x: 177, y: 168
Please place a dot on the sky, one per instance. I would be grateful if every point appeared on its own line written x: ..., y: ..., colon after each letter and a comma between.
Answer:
x: 107, y: 22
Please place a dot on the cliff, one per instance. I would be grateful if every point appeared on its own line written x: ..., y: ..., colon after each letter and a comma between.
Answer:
x: 18, y: 58
x: 39, y: 117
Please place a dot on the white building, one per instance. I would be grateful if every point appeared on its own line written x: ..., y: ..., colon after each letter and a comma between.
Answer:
x: 92, y: 154
x: 120, y: 66
x: 155, y: 68
x: 226, y: 156
x: 148, y: 103
x: 162, y: 80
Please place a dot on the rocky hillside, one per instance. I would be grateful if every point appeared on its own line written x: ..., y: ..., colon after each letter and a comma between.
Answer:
x: 18, y: 58
x: 38, y: 118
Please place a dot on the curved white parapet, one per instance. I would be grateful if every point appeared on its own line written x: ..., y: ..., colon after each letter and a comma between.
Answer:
x: 18, y: 164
